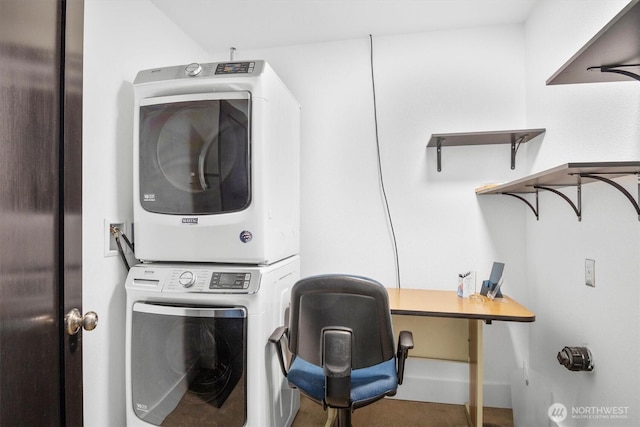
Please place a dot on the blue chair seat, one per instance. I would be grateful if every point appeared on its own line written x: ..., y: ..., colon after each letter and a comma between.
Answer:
x: 366, y: 383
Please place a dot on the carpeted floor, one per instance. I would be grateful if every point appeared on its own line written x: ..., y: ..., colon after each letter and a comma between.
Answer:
x: 391, y: 412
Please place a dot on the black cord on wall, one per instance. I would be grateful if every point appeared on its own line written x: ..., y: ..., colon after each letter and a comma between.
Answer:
x: 380, y: 177
x: 117, y: 233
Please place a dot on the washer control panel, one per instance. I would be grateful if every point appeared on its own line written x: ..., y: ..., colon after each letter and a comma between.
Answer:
x: 208, y: 279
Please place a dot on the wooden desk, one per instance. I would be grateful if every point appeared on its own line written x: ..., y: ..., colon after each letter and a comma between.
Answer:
x: 448, y: 327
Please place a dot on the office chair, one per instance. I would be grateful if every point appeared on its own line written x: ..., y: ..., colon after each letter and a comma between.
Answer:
x: 340, y: 344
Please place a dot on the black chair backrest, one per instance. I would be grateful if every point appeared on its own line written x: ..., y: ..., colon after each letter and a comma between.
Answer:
x: 354, y: 302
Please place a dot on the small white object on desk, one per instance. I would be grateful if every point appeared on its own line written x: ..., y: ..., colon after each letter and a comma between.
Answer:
x: 466, y: 284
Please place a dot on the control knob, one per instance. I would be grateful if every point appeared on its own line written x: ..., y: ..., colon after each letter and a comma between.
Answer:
x: 193, y: 69
x: 187, y: 279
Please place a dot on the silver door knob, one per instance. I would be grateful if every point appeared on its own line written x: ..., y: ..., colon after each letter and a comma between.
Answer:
x: 73, y: 321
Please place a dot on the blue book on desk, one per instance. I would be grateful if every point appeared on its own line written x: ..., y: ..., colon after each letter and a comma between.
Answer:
x: 494, y: 279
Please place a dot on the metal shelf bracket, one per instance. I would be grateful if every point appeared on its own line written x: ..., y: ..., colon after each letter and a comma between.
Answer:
x: 577, y: 209
x: 439, y: 152
x: 535, y: 209
x: 617, y: 69
x: 515, y: 145
x: 619, y: 188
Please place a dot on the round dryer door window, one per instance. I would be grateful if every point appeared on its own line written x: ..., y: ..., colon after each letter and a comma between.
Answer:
x: 194, y: 155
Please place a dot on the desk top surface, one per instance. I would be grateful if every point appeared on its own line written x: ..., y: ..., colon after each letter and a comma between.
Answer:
x: 425, y: 302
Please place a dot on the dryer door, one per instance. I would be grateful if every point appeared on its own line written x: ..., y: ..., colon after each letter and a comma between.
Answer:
x: 188, y: 365
x: 194, y: 153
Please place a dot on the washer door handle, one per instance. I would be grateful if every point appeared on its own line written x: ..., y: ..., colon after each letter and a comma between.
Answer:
x: 73, y: 321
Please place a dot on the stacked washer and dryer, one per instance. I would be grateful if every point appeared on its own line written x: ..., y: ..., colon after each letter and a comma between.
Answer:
x: 216, y: 216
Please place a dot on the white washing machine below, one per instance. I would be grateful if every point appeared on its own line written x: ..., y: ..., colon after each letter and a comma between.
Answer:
x: 197, y: 349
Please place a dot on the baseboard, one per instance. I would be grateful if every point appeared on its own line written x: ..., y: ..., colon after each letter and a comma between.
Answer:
x: 427, y: 380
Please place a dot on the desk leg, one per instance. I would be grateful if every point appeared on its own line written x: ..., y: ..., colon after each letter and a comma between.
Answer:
x: 474, y: 407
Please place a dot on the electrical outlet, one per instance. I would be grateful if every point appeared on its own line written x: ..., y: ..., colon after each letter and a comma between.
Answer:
x: 110, y: 245
x: 590, y: 272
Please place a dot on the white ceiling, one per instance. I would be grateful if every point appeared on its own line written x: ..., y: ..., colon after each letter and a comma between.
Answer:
x: 250, y: 24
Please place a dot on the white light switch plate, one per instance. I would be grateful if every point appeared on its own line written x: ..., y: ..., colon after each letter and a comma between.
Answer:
x: 590, y: 272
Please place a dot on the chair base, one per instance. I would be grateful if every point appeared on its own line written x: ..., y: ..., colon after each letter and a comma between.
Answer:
x: 331, y: 417
x: 338, y: 417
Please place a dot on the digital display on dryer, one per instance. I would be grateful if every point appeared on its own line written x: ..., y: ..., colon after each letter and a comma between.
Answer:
x: 235, y: 68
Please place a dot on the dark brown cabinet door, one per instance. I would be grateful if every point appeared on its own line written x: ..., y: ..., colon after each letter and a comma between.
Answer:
x: 40, y: 211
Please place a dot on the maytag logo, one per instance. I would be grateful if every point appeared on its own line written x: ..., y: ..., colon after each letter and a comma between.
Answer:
x: 189, y: 220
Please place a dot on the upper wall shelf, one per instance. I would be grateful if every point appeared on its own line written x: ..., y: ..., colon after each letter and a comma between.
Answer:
x: 568, y: 175
x: 611, y: 55
x: 513, y: 137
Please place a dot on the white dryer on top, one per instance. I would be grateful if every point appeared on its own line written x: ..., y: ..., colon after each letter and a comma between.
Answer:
x: 216, y: 164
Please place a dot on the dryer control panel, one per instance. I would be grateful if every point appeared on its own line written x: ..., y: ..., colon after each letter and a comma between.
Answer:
x: 195, y: 70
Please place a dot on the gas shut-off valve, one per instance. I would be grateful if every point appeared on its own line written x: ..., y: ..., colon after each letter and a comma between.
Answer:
x: 576, y: 358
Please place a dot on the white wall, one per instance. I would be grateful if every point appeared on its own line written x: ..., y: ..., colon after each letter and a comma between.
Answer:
x: 429, y: 83
x: 586, y: 122
x: 121, y: 38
